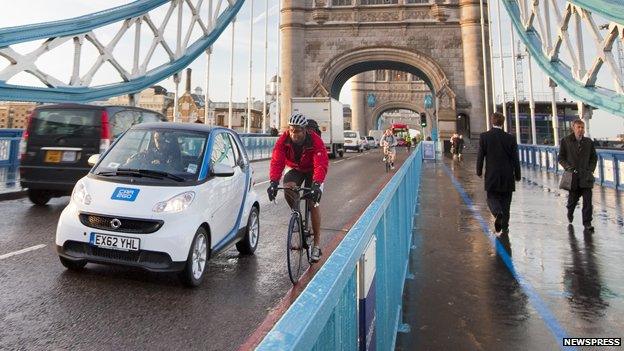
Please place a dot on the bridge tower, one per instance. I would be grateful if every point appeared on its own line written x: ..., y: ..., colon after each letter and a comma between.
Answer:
x: 327, y: 42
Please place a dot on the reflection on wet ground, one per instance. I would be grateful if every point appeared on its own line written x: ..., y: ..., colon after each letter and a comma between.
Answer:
x: 9, y: 179
x: 521, y: 292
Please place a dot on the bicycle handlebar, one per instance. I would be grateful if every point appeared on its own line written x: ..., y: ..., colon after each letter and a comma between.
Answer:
x: 298, y: 189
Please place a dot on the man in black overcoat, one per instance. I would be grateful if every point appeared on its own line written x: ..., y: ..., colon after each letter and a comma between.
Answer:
x: 577, y: 154
x: 502, y: 169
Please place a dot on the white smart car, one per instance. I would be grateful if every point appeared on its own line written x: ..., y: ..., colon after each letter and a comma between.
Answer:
x: 164, y: 197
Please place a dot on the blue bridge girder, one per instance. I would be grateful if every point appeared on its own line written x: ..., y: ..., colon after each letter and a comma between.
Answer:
x: 85, y: 24
x: 611, y: 101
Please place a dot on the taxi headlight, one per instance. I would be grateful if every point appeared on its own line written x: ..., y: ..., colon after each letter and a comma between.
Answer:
x: 177, y: 203
x: 81, y: 195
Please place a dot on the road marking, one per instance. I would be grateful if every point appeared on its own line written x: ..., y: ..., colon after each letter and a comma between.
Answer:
x: 540, y: 306
x: 262, y: 183
x: 14, y: 253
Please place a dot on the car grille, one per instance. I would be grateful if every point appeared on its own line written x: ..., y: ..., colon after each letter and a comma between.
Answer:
x: 128, y: 225
x: 151, y: 259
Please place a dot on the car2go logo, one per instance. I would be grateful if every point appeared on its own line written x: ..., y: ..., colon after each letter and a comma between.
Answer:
x: 125, y: 194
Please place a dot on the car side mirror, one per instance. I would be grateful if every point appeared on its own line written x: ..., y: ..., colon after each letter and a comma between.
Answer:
x: 93, y: 159
x: 221, y: 170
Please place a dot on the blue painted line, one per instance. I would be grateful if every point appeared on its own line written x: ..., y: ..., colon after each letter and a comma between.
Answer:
x: 540, y: 306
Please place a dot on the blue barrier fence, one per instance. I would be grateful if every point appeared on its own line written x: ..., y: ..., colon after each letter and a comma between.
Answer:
x: 609, y: 171
x: 9, y: 147
x: 325, y: 315
x: 258, y: 147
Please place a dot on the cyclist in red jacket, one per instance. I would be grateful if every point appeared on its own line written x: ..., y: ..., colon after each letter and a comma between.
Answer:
x: 303, y: 153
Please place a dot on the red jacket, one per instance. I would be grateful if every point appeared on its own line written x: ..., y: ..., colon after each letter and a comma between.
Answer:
x: 313, y: 159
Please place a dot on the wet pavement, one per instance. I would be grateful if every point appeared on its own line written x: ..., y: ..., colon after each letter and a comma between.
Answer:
x: 43, y: 306
x: 547, y: 281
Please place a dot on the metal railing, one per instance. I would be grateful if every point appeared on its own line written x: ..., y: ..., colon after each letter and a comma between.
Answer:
x: 325, y: 315
x: 9, y: 147
x: 609, y: 171
x: 258, y: 147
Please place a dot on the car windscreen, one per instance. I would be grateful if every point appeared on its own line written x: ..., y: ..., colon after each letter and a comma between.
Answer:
x: 74, y: 122
x: 158, y: 154
x: 350, y: 135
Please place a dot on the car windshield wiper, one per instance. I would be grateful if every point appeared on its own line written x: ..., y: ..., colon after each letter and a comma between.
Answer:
x: 142, y: 173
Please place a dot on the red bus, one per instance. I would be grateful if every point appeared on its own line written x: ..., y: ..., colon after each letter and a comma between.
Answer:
x: 401, y: 131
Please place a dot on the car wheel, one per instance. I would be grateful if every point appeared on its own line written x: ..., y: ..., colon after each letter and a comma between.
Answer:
x: 195, y: 268
x: 39, y: 197
x: 341, y: 153
x: 248, y: 244
x: 72, y: 265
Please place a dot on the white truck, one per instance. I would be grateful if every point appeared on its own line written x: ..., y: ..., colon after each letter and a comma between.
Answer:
x: 327, y: 112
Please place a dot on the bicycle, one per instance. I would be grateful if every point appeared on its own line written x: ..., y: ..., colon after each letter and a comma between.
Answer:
x: 300, y: 237
x: 387, y: 159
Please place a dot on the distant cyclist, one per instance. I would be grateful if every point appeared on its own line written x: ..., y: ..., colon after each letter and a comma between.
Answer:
x: 303, y: 152
x: 389, y: 143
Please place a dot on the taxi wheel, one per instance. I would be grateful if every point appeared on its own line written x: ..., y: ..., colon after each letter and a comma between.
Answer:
x: 195, y: 268
x: 72, y: 265
x: 248, y: 244
x: 39, y: 197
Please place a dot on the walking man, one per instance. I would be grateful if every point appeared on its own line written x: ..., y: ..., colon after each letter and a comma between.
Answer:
x: 502, y: 167
x: 577, y: 154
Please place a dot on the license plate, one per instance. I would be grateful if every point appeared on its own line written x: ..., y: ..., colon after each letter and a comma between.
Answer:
x: 114, y: 242
x: 53, y: 156
x: 68, y: 156
x: 348, y: 141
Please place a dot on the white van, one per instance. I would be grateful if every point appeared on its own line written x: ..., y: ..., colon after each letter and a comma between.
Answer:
x: 353, y: 141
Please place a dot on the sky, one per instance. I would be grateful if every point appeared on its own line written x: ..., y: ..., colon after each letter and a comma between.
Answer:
x: 21, y: 13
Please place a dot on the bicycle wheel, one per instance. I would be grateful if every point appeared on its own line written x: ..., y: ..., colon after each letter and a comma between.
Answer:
x: 295, y: 249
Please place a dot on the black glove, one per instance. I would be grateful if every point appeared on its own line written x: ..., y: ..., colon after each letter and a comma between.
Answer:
x: 272, y: 190
x: 315, y: 192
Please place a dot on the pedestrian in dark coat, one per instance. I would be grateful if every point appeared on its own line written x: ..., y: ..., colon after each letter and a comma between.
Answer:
x: 502, y: 169
x: 577, y: 154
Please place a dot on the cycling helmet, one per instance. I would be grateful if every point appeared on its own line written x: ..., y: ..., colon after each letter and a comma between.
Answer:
x: 297, y: 119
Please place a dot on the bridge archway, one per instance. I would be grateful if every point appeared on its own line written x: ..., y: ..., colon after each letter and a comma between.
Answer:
x: 363, y: 61
x: 390, y: 106
x: 339, y: 69
x: 325, y: 45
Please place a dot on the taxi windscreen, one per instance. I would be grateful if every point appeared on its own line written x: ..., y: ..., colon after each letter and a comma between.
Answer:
x: 172, y: 154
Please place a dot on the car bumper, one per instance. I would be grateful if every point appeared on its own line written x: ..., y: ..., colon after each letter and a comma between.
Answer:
x: 166, y: 249
x: 51, y: 178
x: 149, y: 260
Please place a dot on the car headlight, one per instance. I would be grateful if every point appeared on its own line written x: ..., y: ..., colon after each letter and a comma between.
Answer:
x: 177, y: 203
x: 81, y: 195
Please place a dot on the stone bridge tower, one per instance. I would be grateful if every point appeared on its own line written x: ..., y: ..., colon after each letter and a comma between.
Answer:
x: 327, y: 42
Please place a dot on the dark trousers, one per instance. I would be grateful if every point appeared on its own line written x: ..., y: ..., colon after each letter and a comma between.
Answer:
x: 588, y: 207
x: 500, y: 205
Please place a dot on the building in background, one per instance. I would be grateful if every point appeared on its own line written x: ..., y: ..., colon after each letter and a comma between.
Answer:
x: 155, y: 98
x: 15, y: 114
x: 239, y: 114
